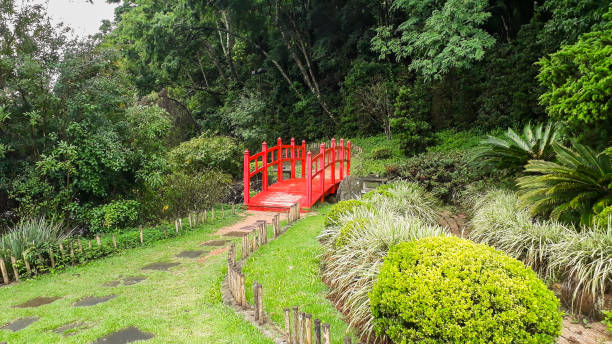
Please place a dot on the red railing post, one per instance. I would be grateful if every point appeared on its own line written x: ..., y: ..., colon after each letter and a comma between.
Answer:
x: 279, y: 145
x: 348, y: 158
x: 322, y: 171
x: 292, y: 158
x: 341, y: 158
x: 264, y: 161
x: 304, y: 159
x: 247, y: 179
x: 333, y: 161
x: 308, y: 171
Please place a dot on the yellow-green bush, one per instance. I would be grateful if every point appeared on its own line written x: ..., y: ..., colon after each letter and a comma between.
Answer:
x: 451, y: 290
x: 341, y: 208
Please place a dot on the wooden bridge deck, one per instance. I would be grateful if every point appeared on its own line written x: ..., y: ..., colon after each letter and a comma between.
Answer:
x: 281, y: 195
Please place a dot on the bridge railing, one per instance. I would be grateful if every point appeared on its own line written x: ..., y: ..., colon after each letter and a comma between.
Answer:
x: 337, y: 158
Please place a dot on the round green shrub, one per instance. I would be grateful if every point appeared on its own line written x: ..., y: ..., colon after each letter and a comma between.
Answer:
x: 113, y: 215
x: 451, y: 290
x: 382, y: 153
x: 341, y: 208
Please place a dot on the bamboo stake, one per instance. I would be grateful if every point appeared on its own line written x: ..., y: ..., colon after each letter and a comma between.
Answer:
x: 165, y: 232
x: 222, y: 211
x: 256, y: 300
x: 308, y: 326
x: 27, y: 264
x: 41, y: 261
x: 176, y: 225
x: 326, y: 339
x: 190, y: 223
x: 61, y: 247
x: 300, y: 332
x: 295, y: 325
x: 242, y: 291
x: 141, y: 236
x: 52, y: 258
x: 317, y: 331
x: 4, y: 272
x: 212, y: 214
x: 90, y: 244
x: 260, y: 304
x: 181, y: 223
x: 115, y: 241
x: 80, y: 245
x: 15, y: 272
x: 205, y: 215
x: 245, y: 246
x: 72, y: 252
x: 233, y: 209
x: 98, y: 239
x: 287, y: 325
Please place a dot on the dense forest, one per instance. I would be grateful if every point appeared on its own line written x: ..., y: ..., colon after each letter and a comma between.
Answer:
x: 104, y: 131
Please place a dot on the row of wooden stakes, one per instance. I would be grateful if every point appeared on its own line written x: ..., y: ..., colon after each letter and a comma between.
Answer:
x: 194, y: 219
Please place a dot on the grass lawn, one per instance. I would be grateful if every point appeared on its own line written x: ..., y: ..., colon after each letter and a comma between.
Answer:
x: 289, y: 272
x: 181, y: 305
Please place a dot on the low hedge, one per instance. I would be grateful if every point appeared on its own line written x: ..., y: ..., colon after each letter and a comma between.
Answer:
x: 451, y: 290
x: 342, y: 207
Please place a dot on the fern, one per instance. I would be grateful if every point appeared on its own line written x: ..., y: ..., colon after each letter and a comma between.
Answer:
x: 512, y: 151
x: 577, y: 186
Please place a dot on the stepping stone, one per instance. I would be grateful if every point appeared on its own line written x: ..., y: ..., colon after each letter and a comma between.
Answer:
x: 215, y: 243
x: 161, y: 266
x: 133, y: 280
x: 71, y: 329
x: 112, y: 283
x: 235, y: 234
x: 127, y: 335
x: 19, y: 324
x: 190, y: 254
x: 37, y: 302
x: 93, y: 300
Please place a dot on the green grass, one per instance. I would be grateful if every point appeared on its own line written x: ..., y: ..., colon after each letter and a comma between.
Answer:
x: 289, y: 271
x: 182, y: 305
x: 364, y: 164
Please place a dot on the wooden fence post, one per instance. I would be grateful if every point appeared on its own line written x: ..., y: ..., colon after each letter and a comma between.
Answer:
x: 300, y: 328
x: 295, y: 325
x: 245, y: 246
x: 72, y: 251
x: 260, y: 304
x: 4, y: 272
x: 242, y: 290
x: 180, y: 223
x: 90, y: 244
x: 308, y: 325
x: 317, y: 331
x: 212, y: 214
x: 15, y: 272
x: 222, y: 211
x: 115, y: 240
x: 98, y: 239
x: 287, y: 325
x: 176, y: 225
x: 256, y: 300
x: 326, y: 339
x: 141, y: 236
x: 27, y: 264
x: 52, y: 258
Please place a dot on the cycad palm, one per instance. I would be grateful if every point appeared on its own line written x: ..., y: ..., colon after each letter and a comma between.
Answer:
x: 578, y: 182
x: 514, y: 150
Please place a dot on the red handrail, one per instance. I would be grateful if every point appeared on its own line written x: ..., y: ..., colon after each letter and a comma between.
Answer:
x: 312, y: 166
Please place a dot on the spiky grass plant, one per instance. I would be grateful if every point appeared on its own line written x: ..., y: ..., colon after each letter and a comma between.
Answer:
x: 352, y: 267
x: 502, y: 222
x: 586, y: 261
x: 513, y: 150
x: 406, y: 199
x: 31, y: 233
x: 574, y: 186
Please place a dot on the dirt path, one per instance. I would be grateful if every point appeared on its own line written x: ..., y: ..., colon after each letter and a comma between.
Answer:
x: 244, y: 225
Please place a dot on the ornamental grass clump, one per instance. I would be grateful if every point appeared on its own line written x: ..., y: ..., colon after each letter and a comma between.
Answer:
x: 502, y: 222
x: 451, y: 290
x: 31, y: 233
x: 358, y: 241
x: 585, y: 260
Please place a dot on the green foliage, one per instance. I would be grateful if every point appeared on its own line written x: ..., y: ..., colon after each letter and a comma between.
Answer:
x: 30, y: 234
x: 608, y: 320
x: 364, y: 164
x: 438, y: 36
x: 348, y: 229
x: 573, y: 188
x: 455, y: 291
x: 412, y: 117
x: 512, y: 151
x: 184, y: 193
x: 208, y: 152
x: 341, y: 208
x: 382, y: 153
x: 114, y: 215
x: 578, y: 78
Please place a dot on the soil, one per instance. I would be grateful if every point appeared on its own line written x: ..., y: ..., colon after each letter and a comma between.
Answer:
x: 572, y: 333
x: 133, y: 280
x: 127, y: 335
x: 246, y: 225
x: 161, y: 266
x: 237, y: 233
x: 214, y: 243
x: 19, y: 324
x: 37, y: 302
x: 93, y: 300
x: 71, y: 329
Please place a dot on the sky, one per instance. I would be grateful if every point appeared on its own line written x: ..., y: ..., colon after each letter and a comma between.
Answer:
x: 83, y: 17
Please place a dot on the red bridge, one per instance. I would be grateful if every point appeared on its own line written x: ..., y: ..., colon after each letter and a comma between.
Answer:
x: 312, y: 177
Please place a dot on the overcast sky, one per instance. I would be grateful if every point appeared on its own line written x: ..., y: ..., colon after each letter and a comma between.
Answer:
x: 83, y: 17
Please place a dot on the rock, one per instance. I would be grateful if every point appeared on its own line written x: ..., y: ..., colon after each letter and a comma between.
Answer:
x: 350, y: 188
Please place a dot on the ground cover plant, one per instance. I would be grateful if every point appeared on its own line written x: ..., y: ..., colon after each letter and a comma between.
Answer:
x: 289, y: 271
x: 451, y: 290
x: 167, y: 304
